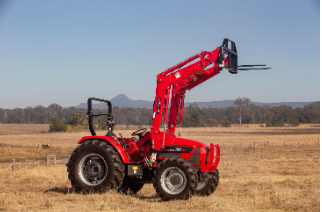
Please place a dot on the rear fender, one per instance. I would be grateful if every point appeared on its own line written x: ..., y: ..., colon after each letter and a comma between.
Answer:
x: 109, y: 140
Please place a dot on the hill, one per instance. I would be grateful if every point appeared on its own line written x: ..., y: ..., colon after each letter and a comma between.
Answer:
x: 122, y: 100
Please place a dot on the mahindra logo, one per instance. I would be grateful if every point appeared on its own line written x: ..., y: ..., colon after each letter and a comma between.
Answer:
x: 176, y: 149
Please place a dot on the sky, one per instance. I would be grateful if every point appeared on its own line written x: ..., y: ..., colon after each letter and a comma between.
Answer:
x: 67, y: 51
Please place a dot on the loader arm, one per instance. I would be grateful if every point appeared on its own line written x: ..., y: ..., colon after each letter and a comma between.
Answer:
x: 173, y: 83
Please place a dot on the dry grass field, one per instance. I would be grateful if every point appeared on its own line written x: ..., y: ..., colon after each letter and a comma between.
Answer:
x: 13, y: 129
x: 261, y: 169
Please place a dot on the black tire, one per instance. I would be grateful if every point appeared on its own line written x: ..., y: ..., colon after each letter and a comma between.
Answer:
x: 175, y: 178
x: 129, y: 187
x: 95, y: 166
x: 208, y: 183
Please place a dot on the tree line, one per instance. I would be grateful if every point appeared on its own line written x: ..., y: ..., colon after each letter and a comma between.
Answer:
x: 193, y: 116
x: 246, y: 113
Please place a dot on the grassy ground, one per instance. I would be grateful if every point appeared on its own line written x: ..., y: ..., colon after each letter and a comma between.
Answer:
x: 261, y: 169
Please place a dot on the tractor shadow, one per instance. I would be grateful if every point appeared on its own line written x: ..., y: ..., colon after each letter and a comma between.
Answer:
x: 66, y: 190
x: 61, y: 190
x: 153, y: 198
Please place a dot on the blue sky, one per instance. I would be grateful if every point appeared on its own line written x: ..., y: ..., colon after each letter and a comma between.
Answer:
x: 66, y: 51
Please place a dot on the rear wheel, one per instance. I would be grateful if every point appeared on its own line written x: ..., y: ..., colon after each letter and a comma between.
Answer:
x: 95, y: 166
x: 175, y: 178
x: 207, y: 183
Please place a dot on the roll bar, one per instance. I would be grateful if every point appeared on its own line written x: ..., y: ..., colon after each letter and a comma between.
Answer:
x: 91, y: 116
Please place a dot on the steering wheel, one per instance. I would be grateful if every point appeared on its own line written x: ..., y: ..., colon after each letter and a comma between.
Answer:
x: 139, y: 132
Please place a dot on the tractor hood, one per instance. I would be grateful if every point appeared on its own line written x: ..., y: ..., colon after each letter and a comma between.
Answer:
x: 172, y: 140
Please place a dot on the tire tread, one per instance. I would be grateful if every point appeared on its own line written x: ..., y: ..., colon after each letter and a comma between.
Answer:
x: 117, y: 164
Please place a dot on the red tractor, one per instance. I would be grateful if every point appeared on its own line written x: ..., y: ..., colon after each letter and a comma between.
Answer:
x: 177, y: 167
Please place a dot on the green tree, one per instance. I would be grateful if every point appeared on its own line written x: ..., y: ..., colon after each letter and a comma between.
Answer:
x: 311, y: 113
x: 267, y: 114
x: 76, y: 122
x: 54, y: 110
x: 29, y: 115
x: 193, y: 116
x: 242, y: 105
x: 75, y: 119
x: 41, y: 116
x: 284, y: 114
x: 2, y: 116
x: 57, y: 125
x: 102, y: 123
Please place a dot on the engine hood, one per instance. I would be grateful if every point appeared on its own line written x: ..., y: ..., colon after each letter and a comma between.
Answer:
x: 172, y: 140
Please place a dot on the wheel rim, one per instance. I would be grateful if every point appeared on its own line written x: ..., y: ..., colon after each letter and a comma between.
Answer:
x: 92, y: 169
x: 173, y: 180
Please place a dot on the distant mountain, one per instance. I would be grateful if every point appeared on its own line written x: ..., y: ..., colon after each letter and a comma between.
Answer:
x: 122, y: 100
x: 292, y: 104
x: 229, y: 103
x: 217, y: 104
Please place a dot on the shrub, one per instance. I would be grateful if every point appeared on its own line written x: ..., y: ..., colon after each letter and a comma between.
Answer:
x: 226, y: 123
x: 57, y: 125
x: 212, y: 123
x: 275, y: 124
x: 295, y: 124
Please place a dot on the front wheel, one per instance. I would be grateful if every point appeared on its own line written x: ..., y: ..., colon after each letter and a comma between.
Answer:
x: 207, y: 183
x: 175, y: 178
x: 95, y: 166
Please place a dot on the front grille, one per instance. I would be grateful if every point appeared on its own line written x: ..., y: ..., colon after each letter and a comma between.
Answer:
x: 194, y: 159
